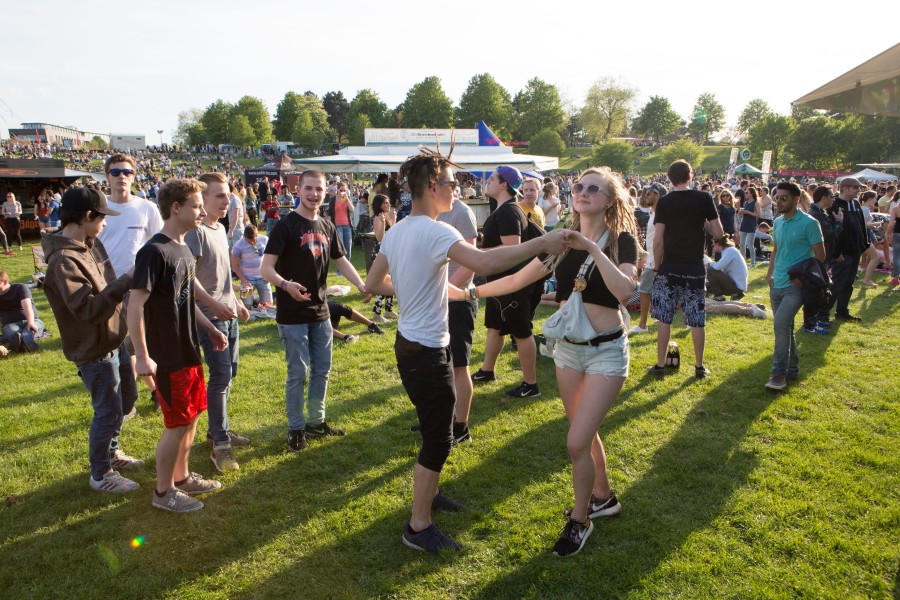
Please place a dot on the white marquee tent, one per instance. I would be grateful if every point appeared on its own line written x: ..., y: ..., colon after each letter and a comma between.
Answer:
x: 871, y: 175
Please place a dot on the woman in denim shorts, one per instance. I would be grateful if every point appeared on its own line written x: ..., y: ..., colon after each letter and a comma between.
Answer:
x: 590, y: 374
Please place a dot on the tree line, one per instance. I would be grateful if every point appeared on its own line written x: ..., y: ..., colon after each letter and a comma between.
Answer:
x: 538, y: 115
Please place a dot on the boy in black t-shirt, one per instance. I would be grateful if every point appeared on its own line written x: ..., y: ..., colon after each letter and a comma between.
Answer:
x: 683, y: 217
x: 161, y: 321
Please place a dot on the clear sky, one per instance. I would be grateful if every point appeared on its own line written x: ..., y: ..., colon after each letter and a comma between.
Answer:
x: 131, y: 67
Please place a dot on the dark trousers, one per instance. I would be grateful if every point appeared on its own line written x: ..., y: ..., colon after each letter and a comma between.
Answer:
x: 843, y: 274
x: 718, y: 283
x: 427, y: 376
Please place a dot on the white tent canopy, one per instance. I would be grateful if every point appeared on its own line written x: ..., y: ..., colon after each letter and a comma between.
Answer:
x: 871, y: 175
x: 384, y: 159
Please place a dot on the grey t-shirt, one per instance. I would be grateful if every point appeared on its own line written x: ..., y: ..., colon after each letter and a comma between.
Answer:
x: 461, y: 218
x: 210, y: 246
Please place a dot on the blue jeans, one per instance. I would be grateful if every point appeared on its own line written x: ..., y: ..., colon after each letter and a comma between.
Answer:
x: 262, y: 288
x: 786, y: 303
x: 222, y: 369
x: 110, y: 381
x: 270, y: 223
x: 307, y: 349
x: 345, y: 234
x: 11, y: 338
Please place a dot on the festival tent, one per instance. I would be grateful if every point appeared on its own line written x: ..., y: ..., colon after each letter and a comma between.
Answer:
x: 387, y: 159
x: 745, y: 169
x: 871, y: 175
x: 872, y: 88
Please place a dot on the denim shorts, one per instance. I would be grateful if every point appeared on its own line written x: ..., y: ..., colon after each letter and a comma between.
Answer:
x: 609, y: 358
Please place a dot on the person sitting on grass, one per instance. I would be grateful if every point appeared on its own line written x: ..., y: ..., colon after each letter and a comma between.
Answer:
x: 246, y: 258
x: 336, y: 310
x: 728, y: 275
x: 86, y: 298
x: 18, y: 317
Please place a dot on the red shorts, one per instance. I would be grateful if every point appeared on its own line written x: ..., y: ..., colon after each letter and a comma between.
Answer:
x: 182, y: 395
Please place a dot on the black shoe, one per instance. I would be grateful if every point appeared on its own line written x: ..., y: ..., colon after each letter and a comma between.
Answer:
x: 601, y: 508
x: 656, y: 370
x: 738, y: 296
x: 481, y: 376
x: 154, y: 399
x: 446, y: 503
x: 461, y: 434
x: 572, y: 538
x: 429, y: 539
x: 701, y: 372
x: 719, y: 298
x: 297, y: 440
x: 415, y: 427
x: 321, y: 430
x: 374, y: 328
x: 524, y: 390
x: 848, y: 317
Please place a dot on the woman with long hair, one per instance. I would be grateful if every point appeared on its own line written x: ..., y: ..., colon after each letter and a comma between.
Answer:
x: 870, y: 256
x: 384, y: 216
x: 590, y: 374
x: 750, y: 213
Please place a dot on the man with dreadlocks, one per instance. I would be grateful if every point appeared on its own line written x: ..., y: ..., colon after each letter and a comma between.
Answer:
x: 412, y: 265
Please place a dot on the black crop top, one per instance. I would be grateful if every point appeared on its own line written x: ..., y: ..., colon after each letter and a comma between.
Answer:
x: 596, y: 292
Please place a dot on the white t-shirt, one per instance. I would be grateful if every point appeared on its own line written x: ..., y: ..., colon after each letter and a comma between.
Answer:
x: 651, y: 233
x: 235, y: 204
x: 124, y: 235
x: 416, y: 250
x: 551, y: 217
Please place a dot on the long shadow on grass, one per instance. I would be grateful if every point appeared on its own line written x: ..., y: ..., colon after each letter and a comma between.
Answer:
x: 685, y: 488
x: 45, y: 396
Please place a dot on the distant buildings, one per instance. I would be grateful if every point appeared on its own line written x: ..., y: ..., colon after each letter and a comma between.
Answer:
x: 75, y: 138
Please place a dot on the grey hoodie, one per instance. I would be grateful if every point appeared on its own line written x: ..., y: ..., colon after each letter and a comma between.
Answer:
x: 86, y: 297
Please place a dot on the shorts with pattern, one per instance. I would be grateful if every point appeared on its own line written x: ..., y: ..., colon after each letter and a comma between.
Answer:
x: 182, y: 395
x: 679, y: 285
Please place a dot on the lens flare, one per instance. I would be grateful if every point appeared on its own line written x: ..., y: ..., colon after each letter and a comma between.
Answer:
x: 137, y: 542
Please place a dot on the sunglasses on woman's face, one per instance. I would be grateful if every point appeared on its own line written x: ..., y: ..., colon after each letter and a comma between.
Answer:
x: 591, y: 190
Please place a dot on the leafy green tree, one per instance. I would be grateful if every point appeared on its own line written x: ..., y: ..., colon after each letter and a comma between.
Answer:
x: 708, y: 117
x: 286, y: 114
x: 607, y: 108
x: 338, y: 110
x: 356, y: 131
x: 687, y: 149
x: 485, y: 99
x: 547, y: 143
x: 815, y: 144
x: 755, y: 111
x: 657, y: 119
x: 615, y: 154
x: 538, y: 107
x: 366, y: 102
x: 258, y: 116
x: 215, y: 121
x: 871, y: 139
x: 426, y: 105
x: 574, y: 128
x: 803, y: 112
x: 772, y: 132
x: 240, y: 132
x: 187, y: 122
x: 305, y: 133
x: 98, y: 143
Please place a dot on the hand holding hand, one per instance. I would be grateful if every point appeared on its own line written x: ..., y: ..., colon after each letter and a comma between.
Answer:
x: 554, y: 242
x: 577, y: 241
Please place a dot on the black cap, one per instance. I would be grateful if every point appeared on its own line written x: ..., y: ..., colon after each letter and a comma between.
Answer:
x: 81, y: 198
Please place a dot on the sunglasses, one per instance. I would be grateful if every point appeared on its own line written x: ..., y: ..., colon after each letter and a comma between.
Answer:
x: 446, y: 182
x: 783, y: 197
x: 117, y: 172
x: 591, y: 190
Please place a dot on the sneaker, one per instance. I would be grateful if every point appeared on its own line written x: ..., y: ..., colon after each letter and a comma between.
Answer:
x: 481, y: 376
x: 196, y: 485
x: 870, y: 284
x: 776, y: 382
x: 391, y: 315
x: 895, y: 281
x: 823, y: 324
x: 719, y: 298
x: 9, y: 253
x: 115, y: 483
x: 235, y: 439
x: 758, y: 313
x: 572, y: 538
x: 297, y: 440
x: 429, y: 539
x: 176, y: 501
x: 223, y: 459
x: 638, y: 329
x: 817, y: 330
x: 601, y: 508
x: 738, y: 296
x: 379, y: 319
x: 446, y: 503
x: 848, y: 317
x: 656, y: 370
x: 461, y: 435
x: 120, y: 460
x: 524, y: 390
x: 701, y: 372
x: 374, y: 328
x: 350, y: 339
x: 321, y: 430
x: 131, y: 415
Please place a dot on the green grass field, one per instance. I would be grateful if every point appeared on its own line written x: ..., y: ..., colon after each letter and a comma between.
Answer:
x: 714, y: 158
x: 729, y: 491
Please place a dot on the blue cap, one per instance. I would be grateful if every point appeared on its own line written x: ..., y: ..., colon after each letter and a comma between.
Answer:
x: 512, y: 177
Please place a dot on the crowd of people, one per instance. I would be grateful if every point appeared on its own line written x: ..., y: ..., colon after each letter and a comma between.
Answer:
x: 144, y: 287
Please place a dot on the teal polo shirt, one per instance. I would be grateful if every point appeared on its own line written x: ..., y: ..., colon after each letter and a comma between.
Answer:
x: 794, y: 239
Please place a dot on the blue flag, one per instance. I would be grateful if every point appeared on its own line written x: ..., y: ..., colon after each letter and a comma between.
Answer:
x: 486, y: 137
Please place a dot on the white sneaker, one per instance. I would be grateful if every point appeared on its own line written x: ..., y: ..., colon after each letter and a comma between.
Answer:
x: 115, y: 483
x: 120, y: 460
x: 391, y: 315
x: 758, y: 312
x: 638, y: 329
